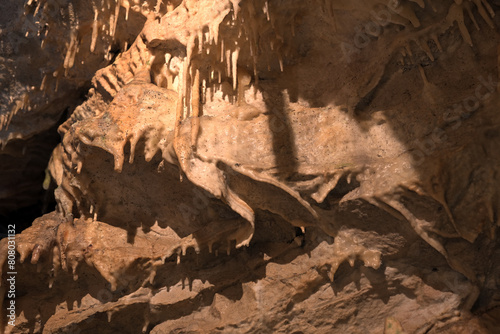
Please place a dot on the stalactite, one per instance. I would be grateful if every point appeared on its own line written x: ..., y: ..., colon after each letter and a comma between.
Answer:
x: 234, y: 63
x: 195, y: 101
x: 95, y: 30
x: 73, y: 44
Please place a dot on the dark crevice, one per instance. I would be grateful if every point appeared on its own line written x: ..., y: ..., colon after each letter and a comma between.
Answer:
x: 342, y: 188
x: 24, y: 164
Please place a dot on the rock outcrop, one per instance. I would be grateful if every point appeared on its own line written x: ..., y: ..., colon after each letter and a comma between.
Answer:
x: 253, y: 166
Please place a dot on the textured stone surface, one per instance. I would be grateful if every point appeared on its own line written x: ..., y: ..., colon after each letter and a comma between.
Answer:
x: 46, y: 65
x: 261, y: 167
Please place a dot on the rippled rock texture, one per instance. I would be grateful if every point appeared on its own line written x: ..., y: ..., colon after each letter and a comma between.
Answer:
x: 253, y: 166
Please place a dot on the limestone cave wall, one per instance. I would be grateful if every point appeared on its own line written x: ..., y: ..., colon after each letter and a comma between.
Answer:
x: 250, y: 166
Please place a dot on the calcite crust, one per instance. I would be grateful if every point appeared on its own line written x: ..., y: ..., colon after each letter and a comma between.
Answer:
x: 340, y: 156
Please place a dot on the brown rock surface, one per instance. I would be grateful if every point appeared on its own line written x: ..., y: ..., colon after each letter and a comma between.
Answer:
x: 254, y: 166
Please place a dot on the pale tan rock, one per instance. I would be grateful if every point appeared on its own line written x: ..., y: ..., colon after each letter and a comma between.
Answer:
x: 274, y: 167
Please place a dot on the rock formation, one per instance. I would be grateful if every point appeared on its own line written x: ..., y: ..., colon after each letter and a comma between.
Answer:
x: 252, y: 166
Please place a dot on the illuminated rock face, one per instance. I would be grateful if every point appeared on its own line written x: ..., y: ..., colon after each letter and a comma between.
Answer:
x: 264, y: 166
x: 47, y: 61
